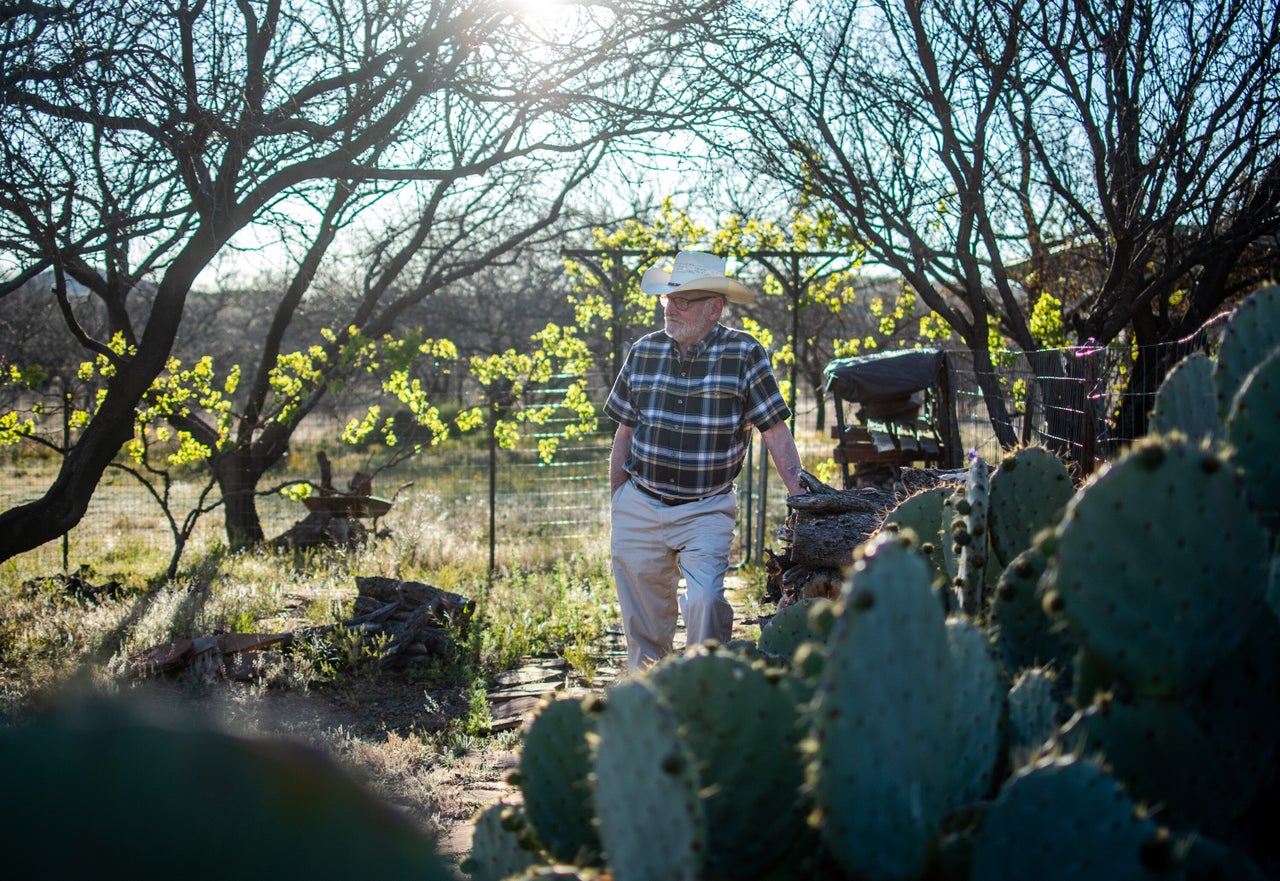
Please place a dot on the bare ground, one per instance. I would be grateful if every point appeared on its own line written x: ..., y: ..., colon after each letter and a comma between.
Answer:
x: 381, y: 727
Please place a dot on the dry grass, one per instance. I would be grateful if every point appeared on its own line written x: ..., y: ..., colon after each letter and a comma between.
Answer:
x: 415, y: 737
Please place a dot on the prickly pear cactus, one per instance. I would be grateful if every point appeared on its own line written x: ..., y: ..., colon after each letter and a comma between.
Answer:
x: 1144, y: 741
x: 1187, y: 401
x: 555, y: 764
x: 1253, y: 432
x: 1064, y: 818
x: 502, y: 844
x: 1029, y: 491
x: 1159, y: 620
x: 883, y: 718
x: 922, y: 513
x: 1034, y: 711
x: 975, y: 710
x: 1239, y: 709
x: 969, y: 536
x: 98, y: 780
x: 789, y: 628
x: 1251, y: 334
x: 742, y: 727
x: 1220, y: 738
x: 648, y: 799
x: 1024, y: 634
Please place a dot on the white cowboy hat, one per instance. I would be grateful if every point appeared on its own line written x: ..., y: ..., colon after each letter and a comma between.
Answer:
x: 695, y: 271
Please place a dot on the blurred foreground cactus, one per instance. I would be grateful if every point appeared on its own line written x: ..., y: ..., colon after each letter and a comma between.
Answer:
x: 116, y: 789
x: 1021, y: 679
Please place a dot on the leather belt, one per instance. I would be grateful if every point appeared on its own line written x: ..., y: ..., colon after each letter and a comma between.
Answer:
x: 671, y: 501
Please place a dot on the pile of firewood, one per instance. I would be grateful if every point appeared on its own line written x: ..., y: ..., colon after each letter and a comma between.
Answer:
x: 417, y: 620
x: 825, y: 525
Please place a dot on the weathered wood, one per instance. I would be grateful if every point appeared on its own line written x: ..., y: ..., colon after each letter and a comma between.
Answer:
x: 825, y: 525
x: 802, y: 582
x: 412, y: 594
x: 865, y: 501
x: 829, y: 542
x: 414, y: 616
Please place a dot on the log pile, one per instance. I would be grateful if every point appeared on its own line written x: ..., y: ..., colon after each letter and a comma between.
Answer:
x: 825, y: 525
x: 417, y: 620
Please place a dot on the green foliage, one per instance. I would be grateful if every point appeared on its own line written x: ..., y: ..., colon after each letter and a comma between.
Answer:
x: 512, y: 379
x: 1046, y: 324
x: 564, y: 610
x: 478, y: 718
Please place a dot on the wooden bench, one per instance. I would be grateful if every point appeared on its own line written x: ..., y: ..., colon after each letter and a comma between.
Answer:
x: 887, y: 442
x: 905, y: 413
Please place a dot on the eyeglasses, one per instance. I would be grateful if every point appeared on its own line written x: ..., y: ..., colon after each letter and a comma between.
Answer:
x: 682, y: 304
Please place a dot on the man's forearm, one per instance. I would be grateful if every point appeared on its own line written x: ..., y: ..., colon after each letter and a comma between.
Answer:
x: 786, y: 458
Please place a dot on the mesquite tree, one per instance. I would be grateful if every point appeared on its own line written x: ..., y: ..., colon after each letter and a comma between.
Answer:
x: 1121, y: 159
x: 141, y: 145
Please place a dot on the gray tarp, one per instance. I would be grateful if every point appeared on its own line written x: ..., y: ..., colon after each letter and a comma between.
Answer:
x: 883, y: 376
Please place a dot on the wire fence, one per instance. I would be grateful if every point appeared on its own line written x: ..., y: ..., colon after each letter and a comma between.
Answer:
x: 1073, y: 400
x: 1083, y: 402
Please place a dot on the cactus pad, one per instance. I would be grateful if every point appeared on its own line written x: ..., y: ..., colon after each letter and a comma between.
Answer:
x: 1062, y: 819
x: 1161, y: 755
x: 975, y: 710
x: 1034, y: 711
x: 1187, y: 401
x: 555, y: 761
x: 112, y: 788
x: 1025, y: 635
x: 646, y: 785
x: 1253, y: 431
x: 882, y: 765
x: 742, y: 727
x: 971, y: 542
x: 501, y: 844
x: 923, y: 514
x: 789, y: 628
x: 1250, y: 336
x: 1160, y: 620
x: 1029, y: 491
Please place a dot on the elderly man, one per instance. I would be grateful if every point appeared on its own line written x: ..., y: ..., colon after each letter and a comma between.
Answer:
x: 685, y: 402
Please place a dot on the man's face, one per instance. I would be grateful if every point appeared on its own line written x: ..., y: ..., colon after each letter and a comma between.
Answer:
x: 688, y: 325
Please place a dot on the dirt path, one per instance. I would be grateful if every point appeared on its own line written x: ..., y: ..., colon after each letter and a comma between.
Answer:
x: 482, y: 779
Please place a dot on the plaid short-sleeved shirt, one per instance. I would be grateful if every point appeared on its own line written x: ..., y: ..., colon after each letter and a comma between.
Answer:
x: 692, y: 419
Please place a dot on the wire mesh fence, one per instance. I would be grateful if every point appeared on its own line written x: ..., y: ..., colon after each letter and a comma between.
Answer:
x: 1072, y: 400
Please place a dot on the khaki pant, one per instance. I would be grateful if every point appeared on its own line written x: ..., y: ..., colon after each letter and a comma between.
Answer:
x: 652, y: 546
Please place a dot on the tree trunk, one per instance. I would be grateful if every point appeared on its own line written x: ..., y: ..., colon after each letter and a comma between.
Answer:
x: 993, y: 395
x: 64, y: 504
x: 238, y: 477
